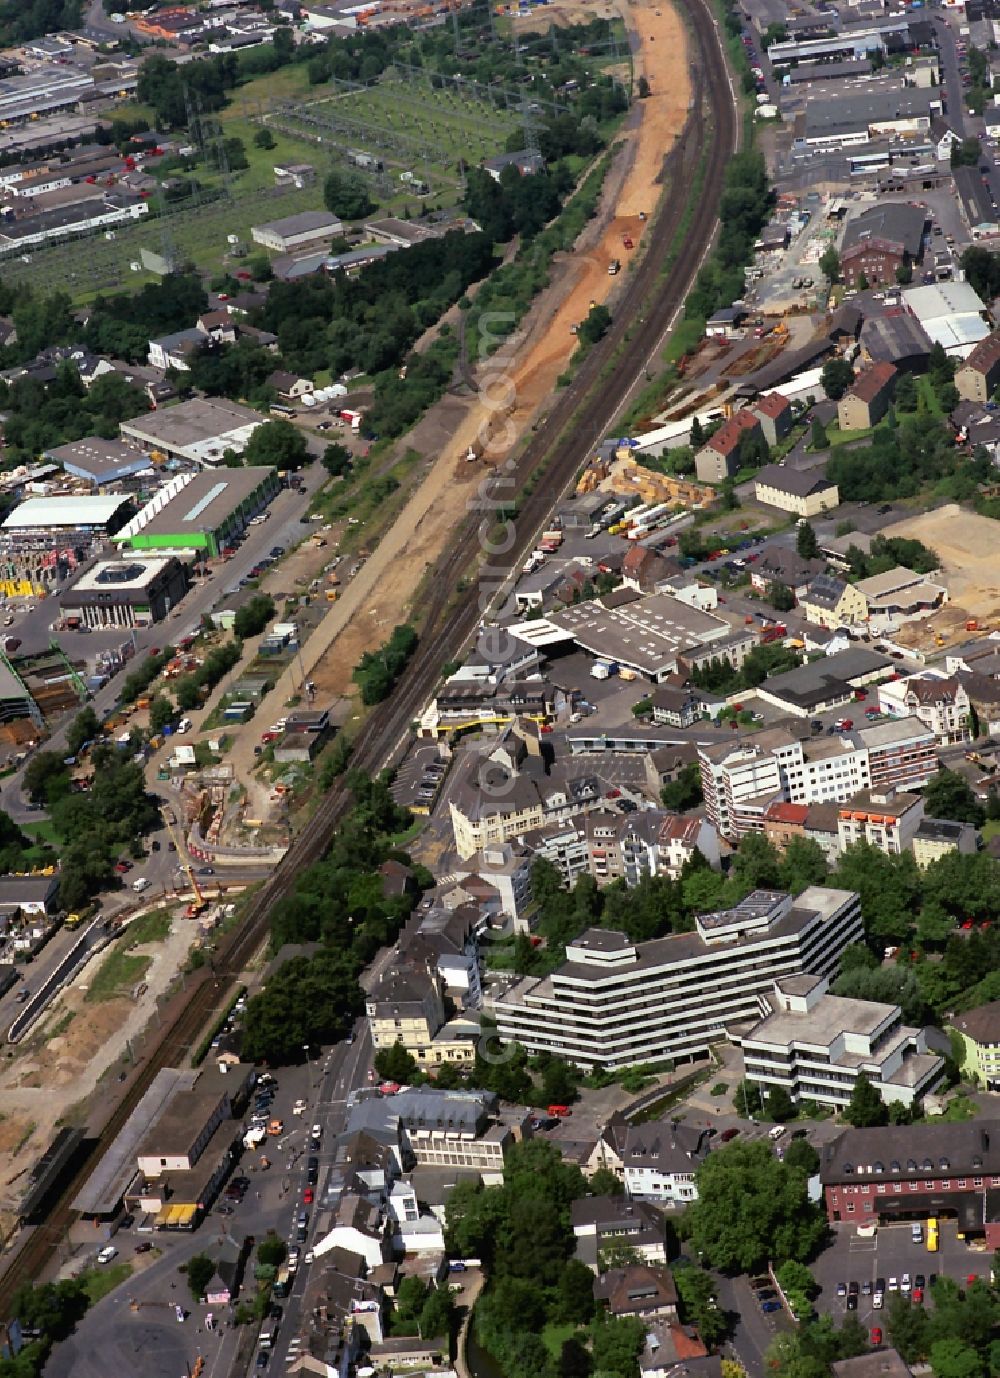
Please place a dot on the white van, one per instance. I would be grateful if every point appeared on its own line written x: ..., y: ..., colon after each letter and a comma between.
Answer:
x: 140, y: 884
x: 775, y: 1134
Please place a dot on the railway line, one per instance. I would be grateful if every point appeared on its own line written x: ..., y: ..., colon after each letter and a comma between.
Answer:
x: 578, y: 419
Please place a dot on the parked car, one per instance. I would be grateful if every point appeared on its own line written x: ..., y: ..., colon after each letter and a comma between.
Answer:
x: 107, y: 1254
x: 876, y: 1335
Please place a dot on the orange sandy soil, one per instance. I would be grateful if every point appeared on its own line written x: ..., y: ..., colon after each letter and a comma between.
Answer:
x: 381, y: 593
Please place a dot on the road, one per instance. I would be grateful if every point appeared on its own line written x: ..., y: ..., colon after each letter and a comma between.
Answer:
x: 950, y: 78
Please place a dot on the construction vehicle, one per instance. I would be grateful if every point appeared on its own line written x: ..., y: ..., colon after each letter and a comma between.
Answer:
x: 200, y: 903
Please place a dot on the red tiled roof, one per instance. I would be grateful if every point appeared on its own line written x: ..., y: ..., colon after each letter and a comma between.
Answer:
x: 986, y: 354
x: 773, y: 405
x: 786, y: 813
x: 869, y: 384
x: 728, y: 437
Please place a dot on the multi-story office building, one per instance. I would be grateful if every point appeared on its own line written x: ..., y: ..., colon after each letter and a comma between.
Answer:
x: 887, y: 821
x: 815, y: 1046
x: 614, y: 1003
x: 741, y: 779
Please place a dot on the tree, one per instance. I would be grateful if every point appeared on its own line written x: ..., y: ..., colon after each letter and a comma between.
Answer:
x: 865, y: 1108
x: 574, y: 1359
x: 836, y: 377
x: 84, y: 728
x: 751, y: 1207
x: 699, y: 1307
x: 950, y: 1358
x: 595, y: 325
x: 438, y: 1315
x: 906, y: 396
x: 346, y: 195
x: 801, y: 1154
x: 829, y: 264
x: 264, y: 139
x: 161, y: 713
x: 818, y: 437
x: 253, y: 617
x: 780, y: 1106
x: 200, y: 1271
x: 604, y: 1182
x: 277, y: 443
x: 684, y: 791
x: 46, y: 778
x: 396, y: 1064
x: 697, y: 434
x: 781, y: 597
x: 337, y: 460
x: 271, y: 1251
x: 948, y: 795
x: 798, y: 1285
x: 806, y: 542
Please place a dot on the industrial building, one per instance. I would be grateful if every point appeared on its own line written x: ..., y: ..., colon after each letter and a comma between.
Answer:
x: 200, y: 512
x: 951, y: 313
x: 44, y: 539
x: 615, y: 1003
x: 98, y: 461
x: 200, y: 430
x: 129, y: 592
x: 646, y: 634
x: 297, y: 231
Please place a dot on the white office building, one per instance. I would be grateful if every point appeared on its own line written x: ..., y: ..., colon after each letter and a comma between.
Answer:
x: 615, y: 1003
x: 816, y: 1046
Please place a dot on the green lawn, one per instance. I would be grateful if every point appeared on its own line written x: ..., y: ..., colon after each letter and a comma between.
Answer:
x: 117, y: 975
x: 554, y: 1336
x: 927, y: 395
x: 42, y: 831
x: 835, y: 436
x: 98, y: 1282
x: 148, y: 928
x: 990, y: 828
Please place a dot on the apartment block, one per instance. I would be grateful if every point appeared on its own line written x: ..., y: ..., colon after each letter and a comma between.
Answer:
x: 614, y: 1003
x: 887, y: 821
x: 741, y: 780
x: 815, y: 1046
x: 614, y: 846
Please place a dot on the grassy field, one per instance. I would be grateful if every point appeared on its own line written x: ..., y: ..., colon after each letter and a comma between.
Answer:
x: 117, y: 975
x: 153, y: 927
x: 98, y: 1282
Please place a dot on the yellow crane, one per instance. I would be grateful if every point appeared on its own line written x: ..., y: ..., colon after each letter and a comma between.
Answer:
x: 200, y: 902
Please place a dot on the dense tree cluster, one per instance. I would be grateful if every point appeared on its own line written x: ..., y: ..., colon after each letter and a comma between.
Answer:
x: 376, y: 672
x: 751, y: 1208
x: 122, y: 326
x: 24, y: 19
x: 40, y: 416
x: 763, y: 662
x: 339, y: 902
x: 523, y: 1235
x: 888, y: 552
x: 254, y: 616
x: 94, y: 826
x: 746, y: 204
x: 48, y: 1312
x: 904, y: 456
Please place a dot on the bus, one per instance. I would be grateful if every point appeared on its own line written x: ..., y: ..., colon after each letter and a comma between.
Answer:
x: 932, y: 1235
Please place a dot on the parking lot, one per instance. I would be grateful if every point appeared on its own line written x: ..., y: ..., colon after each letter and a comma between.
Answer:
x: 889, y: 1254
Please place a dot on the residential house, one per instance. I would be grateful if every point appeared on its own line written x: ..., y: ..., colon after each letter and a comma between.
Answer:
x: 868, y: 398
x: 832, y: 602
x: 642, y: 1290
x: 656, y: 1161
x: 815, y: 1046
x: 979, y: 1030
x: 719, y: 457
x: 600, y: 1223
x: 289, y: 386
x: 774, y: 413
x: 938, y: 837
x: 175, y: 351
x: 885, y: 820
x: 673, y: 706
x: 646, y: 570
x: 525, y: 162
x: 943, y: 137
x: 784, y: 566
x: 217, y: 326
x: 939, y: 702
x: 360, y: 1226
x: 802, y: 492
x: 978, y: 375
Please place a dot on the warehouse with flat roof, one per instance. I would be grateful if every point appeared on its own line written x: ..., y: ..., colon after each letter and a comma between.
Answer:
x: 65, y: 515
x: 99, y: 461
x: 201, y: 430
x: 200, y: 512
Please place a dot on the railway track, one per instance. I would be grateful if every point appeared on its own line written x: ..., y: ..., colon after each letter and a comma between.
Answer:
x: 577, y: 421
